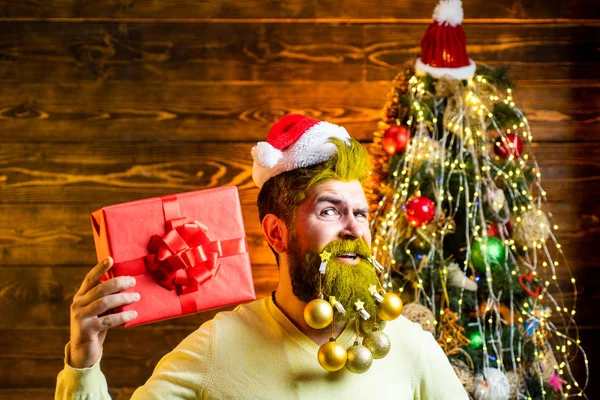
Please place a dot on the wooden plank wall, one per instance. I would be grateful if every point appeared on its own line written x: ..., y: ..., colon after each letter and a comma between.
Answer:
x: 106, y: 102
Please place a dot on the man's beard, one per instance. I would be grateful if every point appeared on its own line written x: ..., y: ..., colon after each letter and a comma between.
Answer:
x: 349, y: 283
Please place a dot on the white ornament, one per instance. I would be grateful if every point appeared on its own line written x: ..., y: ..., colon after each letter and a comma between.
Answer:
x: 323, y: 267
x: 457, y: 278
x: 495, y: 385
x: 496, y: 199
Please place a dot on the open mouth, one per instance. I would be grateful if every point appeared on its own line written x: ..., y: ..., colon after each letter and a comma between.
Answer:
x: 348, y: 256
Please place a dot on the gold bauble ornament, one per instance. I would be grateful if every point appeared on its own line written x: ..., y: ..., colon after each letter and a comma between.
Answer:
x: 378, y: 344
x: 332, y: 356
x: 533, y: 227
x: 359, y: 359
x: 390, y: 307
x: 318, y: 314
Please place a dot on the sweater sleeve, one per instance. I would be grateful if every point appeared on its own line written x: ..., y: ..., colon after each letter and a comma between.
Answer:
x: 181, y: 374
x: 436, y: 377
x: 81, y: 383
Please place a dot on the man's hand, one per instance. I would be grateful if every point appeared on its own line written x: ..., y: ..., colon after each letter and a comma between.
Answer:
x: 88, y: 329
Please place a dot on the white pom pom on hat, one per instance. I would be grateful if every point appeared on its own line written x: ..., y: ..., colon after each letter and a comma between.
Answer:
x: 295, y: 141
x: 444, y: 45
x: 449, y: 11
x: 265, y: 155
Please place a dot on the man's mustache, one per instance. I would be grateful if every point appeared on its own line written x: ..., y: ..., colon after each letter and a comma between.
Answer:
x: 345, y: 246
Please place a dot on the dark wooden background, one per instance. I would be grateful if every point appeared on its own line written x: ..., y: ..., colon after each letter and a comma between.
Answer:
x: 112, y: 101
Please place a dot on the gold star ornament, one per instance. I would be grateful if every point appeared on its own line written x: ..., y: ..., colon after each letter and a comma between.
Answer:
x: 325, y: 256
x: 360, y: 305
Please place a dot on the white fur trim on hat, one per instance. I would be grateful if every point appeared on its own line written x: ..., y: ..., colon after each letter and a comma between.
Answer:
x: 449, y: 11
x: 465, y: 72
x: 310, y: 149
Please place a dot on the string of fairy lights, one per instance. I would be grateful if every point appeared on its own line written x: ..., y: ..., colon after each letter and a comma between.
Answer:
x: 450, y: 157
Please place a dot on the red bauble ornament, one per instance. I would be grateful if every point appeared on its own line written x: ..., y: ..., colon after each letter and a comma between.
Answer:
x: 512, y: 145
x: 395, y: 139
x: 419, y: 211
x: 492, y: 229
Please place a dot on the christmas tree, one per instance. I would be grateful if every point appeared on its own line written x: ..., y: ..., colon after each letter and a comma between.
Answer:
x: 458, y: 218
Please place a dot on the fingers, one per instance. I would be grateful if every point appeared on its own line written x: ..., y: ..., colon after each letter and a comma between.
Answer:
x: 105, y: 288
x: 107, y: 302
x: 112, y: 320
x: 93, y: 277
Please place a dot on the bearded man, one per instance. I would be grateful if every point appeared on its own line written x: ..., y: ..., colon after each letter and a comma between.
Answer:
x: 311, y: 201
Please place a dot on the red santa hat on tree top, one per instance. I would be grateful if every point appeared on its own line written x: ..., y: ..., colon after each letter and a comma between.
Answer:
x: 444, y: 45
x: 295, y: 141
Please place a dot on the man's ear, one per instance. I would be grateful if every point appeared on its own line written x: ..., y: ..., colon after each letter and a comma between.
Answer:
x: 275, y: 232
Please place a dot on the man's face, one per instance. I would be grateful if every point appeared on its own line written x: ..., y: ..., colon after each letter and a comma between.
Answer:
x: 334, y: 217
x: 333, y: 210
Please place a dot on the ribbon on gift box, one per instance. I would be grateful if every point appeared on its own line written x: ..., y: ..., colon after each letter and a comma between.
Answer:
x: 186, y: 257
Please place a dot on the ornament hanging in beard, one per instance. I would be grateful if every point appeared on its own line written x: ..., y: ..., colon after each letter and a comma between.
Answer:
x: 318, y: 313
x: 348, y: 283
x: 325, y: 275
x: 355, y: 285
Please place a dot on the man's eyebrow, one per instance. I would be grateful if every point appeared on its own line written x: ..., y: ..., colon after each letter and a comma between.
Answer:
x: 329, y: 199
x: 338, y: 201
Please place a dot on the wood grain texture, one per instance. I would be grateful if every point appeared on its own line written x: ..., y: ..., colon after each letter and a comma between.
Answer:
x: 297, y: 9
x: 100, y: 174
x: 175, y: 52
x: 244, y: 111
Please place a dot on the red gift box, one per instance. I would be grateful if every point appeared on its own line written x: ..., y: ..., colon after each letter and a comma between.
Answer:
x: 187, y: 252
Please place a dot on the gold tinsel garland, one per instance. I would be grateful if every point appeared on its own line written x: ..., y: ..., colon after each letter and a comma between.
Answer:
x: 451, y: 332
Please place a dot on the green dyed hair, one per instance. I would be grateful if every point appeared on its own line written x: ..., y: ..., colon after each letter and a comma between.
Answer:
x: 282, y: 194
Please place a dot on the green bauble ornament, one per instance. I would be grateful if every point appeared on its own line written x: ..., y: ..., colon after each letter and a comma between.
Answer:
x: 476, y: 341
x: 359, y: 359
x: 378, y: 343
x: 493, y: 250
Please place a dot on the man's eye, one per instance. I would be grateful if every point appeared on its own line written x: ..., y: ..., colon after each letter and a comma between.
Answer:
x: 328, y: 212
x: 360, y: 215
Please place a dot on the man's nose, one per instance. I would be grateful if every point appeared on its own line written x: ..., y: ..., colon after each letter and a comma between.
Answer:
x: 351, y: 228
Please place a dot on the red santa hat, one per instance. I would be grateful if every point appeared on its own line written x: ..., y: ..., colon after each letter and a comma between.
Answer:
x: 295, y: 141
x: 444, y: 45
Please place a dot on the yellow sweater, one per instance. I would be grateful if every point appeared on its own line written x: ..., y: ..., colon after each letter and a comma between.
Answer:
x: 255, y: 352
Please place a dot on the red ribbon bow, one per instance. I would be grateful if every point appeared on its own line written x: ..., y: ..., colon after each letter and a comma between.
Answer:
x: 185, y: 257
x: 532, y: 283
